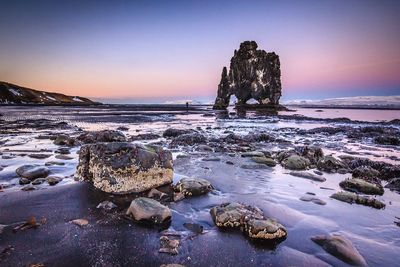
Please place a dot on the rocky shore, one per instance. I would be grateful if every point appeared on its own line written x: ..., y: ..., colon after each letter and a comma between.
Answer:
x: 198, y: 190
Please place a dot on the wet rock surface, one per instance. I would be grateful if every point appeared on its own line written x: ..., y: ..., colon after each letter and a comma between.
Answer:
x: 340, y: 247
x: 249, y: 219
x: 295, y: 162
x: 148, y: 210
x: 32, y: 172
x: 121, y: 167
x: 102, y: 136
x: 193, y: 186
x: 357, y: 199
x: 362, y: 186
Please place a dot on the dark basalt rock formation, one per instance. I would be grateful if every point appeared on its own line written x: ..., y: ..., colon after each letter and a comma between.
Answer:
x: 253, y: 74
x: 14, y: 94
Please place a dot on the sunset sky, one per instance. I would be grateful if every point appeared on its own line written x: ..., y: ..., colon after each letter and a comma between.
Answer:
x: 176, y: 49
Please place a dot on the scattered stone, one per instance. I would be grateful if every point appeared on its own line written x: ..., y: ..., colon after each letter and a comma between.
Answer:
x: 80, y: 222
x: 317, y: 172
x: 63, y: 150
x: 211, y: 159
x: 343, y: 171
x: 229, y: 162
x: 169, y: 246
x: 341, y: 248
x: 394, y: 184
x: 32, y: 172
x: 38, y: 181
x: 264, y: 160
x: 172, y: 132
x: 148, y: 210
x: 194, y: 227
x: 354, y: 198
x: 254, y: 166
x: 204, y: 148
x: 307, y: 175
x: 63, y: 157
x: 107, y: 205
x: 51, y: 163
x: 266, y: 229
x: 252, y: 154
x: 295, y: 162
x: 329, y: 164
x: 23, y: 181
x: 39, y: 156
x: 314, y: 200
x: 102, y: 136
x: 365, y: 172
x: 64, y: 140
x: 156, y: 194
x: 362, y: 186
x: 122, y: 128
x: 53, y: 180
x: 145, y: 136
x: 193, y: 186
x: 189, y: 139
x: 178, y: 196
x: 124, y: 167
x: 234, y: 215
x: 28, y: 187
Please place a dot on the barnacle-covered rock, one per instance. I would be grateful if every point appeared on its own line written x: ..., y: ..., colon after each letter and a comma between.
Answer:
x: 193, y: 186
x: 234, y: 214
x: 267, y: 229
x: 121, y: 167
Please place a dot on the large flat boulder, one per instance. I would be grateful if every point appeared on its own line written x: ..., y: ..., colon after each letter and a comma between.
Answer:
x: 121, y: 167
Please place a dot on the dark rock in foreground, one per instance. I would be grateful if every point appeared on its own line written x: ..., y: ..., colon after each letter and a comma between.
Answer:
x: 121, y: 167
x: 340, y: 247
x: 253, y: 74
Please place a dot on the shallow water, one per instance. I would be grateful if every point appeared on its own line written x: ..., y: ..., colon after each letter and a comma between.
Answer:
x: 115, y: 242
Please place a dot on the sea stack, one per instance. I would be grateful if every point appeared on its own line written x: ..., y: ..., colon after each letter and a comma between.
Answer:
x: 253, y: 74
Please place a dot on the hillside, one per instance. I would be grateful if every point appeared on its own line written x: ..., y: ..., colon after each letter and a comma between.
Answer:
x: 14, y: 94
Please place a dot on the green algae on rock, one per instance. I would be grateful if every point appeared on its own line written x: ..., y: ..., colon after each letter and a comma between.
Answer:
x: 354, y: 198
x: 362, y: 186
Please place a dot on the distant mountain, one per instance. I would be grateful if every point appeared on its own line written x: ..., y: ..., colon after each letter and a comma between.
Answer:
x: 14, y: 94
x: 375, y: 102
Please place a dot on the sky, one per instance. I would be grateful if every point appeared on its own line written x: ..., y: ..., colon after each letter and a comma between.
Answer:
x: 135, y: 50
